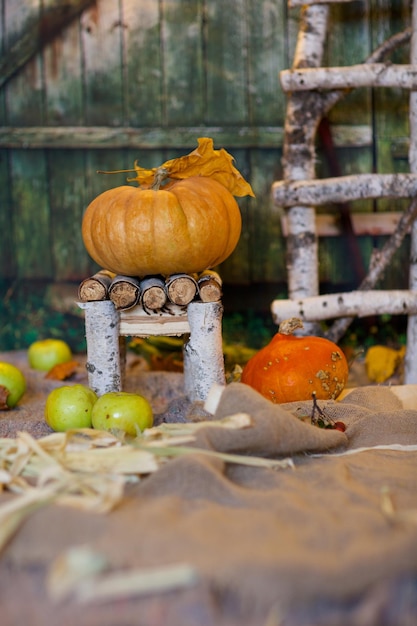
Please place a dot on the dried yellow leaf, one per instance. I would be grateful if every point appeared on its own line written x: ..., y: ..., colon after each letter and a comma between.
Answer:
x: 381, y: 362
x: 203, y: 161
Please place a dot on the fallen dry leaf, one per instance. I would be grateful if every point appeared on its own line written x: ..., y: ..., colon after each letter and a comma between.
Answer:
x: 381, y: 362
x: 62, y: 371
x: 4, y: 394
x: 203, y: 161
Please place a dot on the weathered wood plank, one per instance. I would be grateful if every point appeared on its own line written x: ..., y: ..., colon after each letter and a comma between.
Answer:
x: 7, y: 258
x: 37, y: 33
x: 95, y: 137
x: 21, y: 109
x: 182, y: 42
x: 266, y: 34
x: 62, y: 68
x: 101, y: 36
x: 143, y: 77
x: 24, y: 96
x: 31, y: 217
x: 226, y: 62
x: 67, y: 192
x: 267, y: 254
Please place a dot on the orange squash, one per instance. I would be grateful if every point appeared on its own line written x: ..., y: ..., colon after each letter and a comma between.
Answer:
x: 189, y: 226
x: 291, y: 368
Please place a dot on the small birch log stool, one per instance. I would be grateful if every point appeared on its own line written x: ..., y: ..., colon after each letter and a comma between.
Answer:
x: 105, y: 327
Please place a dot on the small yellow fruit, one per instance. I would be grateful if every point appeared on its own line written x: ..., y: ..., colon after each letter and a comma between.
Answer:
x: 122, y: 411
x: 14, y: 384
x: 44, y: 354
x: 69, y: 407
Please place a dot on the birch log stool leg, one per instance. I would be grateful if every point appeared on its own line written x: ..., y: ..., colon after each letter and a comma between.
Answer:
x: 104, y: 365
x: 203, y: 352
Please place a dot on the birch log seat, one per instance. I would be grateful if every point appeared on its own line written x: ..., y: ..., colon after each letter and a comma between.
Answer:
x: 106, y: 328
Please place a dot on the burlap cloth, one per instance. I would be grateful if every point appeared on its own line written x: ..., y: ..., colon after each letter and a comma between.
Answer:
x: 314, y: 544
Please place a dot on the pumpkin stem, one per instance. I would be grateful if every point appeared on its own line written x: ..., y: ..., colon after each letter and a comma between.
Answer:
x: 287, y: 327
x: 161, y: 174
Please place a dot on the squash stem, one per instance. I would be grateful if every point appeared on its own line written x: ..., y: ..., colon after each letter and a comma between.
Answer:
x: 287, y: 327
x: 161, y: 174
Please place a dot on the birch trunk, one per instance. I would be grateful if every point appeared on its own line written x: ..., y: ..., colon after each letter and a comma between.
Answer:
x: 103, y: 366
x: 203, y: 352
x: 410, y: 366
x: 299, y: 157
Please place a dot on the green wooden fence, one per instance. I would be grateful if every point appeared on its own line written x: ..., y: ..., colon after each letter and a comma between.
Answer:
x: 87, y: 86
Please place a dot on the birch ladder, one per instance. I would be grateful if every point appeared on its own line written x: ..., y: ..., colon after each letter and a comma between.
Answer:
x: 312, y: 91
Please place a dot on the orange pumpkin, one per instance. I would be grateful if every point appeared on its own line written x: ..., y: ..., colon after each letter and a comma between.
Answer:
x: 187, y: 226
x: 291, y: 368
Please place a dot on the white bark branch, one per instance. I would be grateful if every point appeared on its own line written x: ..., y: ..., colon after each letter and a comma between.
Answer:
x: 344, y: 189
x: 379, y: 262
x: 349, y: 304
x: 103, y: 366
x: 203, y: 352
x: 299, y: 155
x: 354, y: 76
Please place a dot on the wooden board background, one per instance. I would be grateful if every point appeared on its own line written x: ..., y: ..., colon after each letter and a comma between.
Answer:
x: 142, y: 79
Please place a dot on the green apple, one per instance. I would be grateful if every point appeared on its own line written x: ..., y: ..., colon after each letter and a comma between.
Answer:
x: 14, y: 384
x: 44, y: 354
x: 70, y: 406
x: 122, y: 411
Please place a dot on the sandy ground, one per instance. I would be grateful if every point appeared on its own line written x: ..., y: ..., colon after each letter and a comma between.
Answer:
x: 164, y: 390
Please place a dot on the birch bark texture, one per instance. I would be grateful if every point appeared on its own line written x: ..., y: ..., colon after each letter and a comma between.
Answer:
x: 104, y: 367
x: 203, y: 352
x: 299, y: 156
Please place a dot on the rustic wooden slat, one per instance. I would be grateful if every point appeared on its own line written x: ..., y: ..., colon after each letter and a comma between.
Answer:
x: 7, y: 258
x: 266, y: 246
x: 40, y: 31
x: 101, y: 35
x: 348, y: 43
x: 266, y: 32
x: 62, y: 68
x: 159, y: 138
x: 31, y: 218
x: 182, y: 41
x: 226, y: 62
x: 143, y: 77
x: 21, y: 109
x: 67, y: 192
x: 24, y: 95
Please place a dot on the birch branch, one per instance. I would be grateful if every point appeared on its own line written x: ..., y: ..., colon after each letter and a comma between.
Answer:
x: 344, y: 189
x: 354, y: 76
x: 362, y: 302
x: 299, y: 154
x: 378, y: 264
x: 348, y: 304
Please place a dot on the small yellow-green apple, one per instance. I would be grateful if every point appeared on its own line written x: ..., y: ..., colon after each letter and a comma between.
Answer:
x: 13, y: 384
x: 44, y: 354
x: 122, y: 411
x: 69, y: 407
